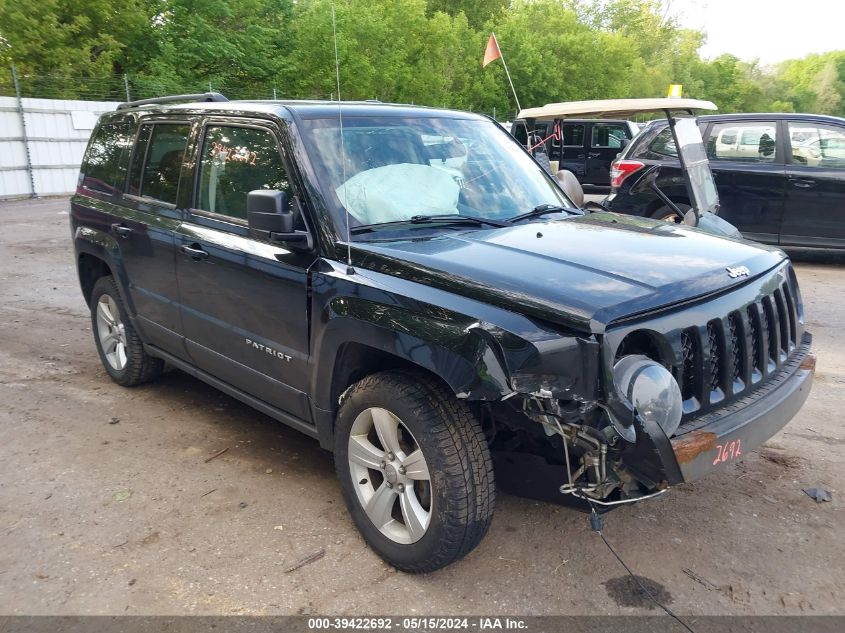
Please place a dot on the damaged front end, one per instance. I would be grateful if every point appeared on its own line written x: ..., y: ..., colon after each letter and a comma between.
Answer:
x: 653, y: 402
x: 568, y: 434
x: 569, y: 452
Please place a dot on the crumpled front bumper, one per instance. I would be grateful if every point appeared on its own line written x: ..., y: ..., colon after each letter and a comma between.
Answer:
x: 731, y: 433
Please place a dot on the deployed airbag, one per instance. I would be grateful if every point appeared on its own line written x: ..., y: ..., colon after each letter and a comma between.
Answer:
x: 399, y: 192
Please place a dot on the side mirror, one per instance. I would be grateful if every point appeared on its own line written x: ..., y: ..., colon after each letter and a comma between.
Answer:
x: 269, y: 217
x: 268, y: 212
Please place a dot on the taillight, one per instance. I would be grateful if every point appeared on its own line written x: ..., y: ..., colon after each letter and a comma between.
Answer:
x: 621, y: 169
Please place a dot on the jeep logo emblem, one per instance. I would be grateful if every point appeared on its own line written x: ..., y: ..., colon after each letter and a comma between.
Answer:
x: 738, y: 271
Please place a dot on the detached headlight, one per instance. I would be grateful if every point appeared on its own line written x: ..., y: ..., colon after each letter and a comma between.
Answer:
x: 652, y: 390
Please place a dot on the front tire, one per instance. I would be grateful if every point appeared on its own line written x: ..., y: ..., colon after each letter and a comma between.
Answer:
x: 414, y: 469
x: 118, y: 344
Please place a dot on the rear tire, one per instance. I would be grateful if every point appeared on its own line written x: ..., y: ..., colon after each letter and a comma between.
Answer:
x: 118, y: 344
x: 433, y: 502
x: 667, y: 214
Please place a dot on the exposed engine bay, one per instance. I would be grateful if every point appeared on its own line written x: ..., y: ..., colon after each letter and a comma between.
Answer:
x: 576, y: 444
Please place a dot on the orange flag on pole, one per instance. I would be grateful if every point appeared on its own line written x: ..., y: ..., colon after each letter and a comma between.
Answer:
x: 492, y: 53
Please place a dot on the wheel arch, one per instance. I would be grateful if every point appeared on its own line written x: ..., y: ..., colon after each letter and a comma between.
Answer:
x: 98, y: 255
x: 355, y: 361
x: 91, y: 268
x: 658, y: 204
x: 453, y: 354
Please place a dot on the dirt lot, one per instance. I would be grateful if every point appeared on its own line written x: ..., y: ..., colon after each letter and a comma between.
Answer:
x: 108, y: 506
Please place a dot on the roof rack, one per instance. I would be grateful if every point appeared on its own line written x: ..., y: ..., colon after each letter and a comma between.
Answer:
x: 205, y: 96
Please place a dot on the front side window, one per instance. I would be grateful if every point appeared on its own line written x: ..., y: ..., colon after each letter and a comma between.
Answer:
x: 520, y: 133
x: 817, y: 145
x: 747, y: 142
x: 159, y: 153
x: 573, y: 134
x: 235, y: 161
x: 105, y: 165
x: 391, y: 169
x: 608, y: 135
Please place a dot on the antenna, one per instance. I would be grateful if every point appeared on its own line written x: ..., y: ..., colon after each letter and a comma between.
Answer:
x: 349, y: 269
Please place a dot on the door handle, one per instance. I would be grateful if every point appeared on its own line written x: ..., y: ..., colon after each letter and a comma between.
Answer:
x: 121, y: 230
x: 194, y: 252
x: 803, y: 183
x: 595, y: 154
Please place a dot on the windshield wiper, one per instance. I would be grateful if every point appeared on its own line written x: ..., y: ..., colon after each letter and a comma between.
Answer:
x: 540, y: 210
x: 455, y: 220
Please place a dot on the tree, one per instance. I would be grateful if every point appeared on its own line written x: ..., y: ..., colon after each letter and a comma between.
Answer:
x: 237, y: 46
x: 78, y: 38
x: 815, y: 83
x: 554, y: 56
x: 389, y: 50
x: 477, y: 12
x: 421, y: 51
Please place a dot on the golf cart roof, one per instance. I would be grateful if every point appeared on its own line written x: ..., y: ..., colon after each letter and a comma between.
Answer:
x: 615, y: 108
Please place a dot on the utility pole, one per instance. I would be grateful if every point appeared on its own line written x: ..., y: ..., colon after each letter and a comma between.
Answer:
x: 126, y: 86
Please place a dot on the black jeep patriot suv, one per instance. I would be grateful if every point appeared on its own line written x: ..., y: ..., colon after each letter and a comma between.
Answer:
x: 410, y: 288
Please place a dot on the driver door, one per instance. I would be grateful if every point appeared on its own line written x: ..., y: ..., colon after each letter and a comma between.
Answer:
x: 244, y: 301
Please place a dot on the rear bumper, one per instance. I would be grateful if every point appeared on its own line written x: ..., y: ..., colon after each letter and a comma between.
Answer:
x: 731, y: 433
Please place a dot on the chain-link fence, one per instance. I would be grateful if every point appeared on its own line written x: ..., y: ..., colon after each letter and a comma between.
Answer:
x: 130, y: 88
x: 125, y: 87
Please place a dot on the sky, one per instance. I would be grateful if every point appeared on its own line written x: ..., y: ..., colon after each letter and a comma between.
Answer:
x: 770, y: 30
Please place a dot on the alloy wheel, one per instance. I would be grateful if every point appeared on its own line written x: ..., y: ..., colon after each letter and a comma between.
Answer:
x: 390, y: 475
x: 111, y: 332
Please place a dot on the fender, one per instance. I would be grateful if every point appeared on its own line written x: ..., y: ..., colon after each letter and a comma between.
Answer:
x: 473, y: 366
x: 482, y: 352
x: 104, y: 246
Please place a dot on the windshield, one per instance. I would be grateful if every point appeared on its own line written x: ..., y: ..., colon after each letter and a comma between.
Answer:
x: 399, y: 168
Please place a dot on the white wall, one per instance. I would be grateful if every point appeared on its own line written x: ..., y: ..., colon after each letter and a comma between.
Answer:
x: 57, y: 131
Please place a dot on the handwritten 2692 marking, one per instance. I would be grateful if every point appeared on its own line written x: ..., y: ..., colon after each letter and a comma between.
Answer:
x: 728, y: 452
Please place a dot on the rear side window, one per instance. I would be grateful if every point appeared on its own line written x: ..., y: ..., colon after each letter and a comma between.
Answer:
x: 664, y: 144
x: 159, y: 153
x: 746, y: 142
x: 235, y: 161
x: 106, y: 160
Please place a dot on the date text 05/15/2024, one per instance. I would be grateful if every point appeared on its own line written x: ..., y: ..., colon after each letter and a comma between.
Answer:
x: 418, y: 623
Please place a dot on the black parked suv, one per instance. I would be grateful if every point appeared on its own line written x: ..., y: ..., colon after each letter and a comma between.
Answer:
x: 780, y: 177
x: 586, y: 147
x: 411, y: 288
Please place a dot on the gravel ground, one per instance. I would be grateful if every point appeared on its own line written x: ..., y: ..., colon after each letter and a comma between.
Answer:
x: 107, y: 505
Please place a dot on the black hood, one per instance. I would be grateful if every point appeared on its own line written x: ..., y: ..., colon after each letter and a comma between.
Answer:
x: 581, y: 272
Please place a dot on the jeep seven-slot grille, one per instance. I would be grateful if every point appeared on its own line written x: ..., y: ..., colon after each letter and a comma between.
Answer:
x: 689, y: 354
x: 714, y: 370
x: 733, y: 354
x: 735, y: 351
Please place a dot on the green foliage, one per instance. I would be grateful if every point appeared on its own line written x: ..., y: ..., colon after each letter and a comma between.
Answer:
x: 421, y: 51
x: 816, y: 83
x: 86, y: 38
x: 477, y: 12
